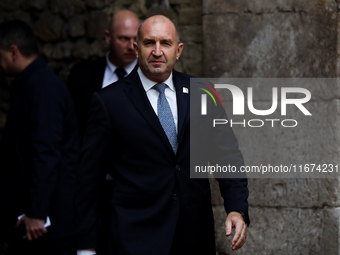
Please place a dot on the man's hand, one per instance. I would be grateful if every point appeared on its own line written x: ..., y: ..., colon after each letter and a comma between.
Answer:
x: 34, y: 227
x: 235, y: 220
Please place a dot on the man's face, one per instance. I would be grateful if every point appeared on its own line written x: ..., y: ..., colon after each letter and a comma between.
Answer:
x: 120, y: 40
x: 158, y: 49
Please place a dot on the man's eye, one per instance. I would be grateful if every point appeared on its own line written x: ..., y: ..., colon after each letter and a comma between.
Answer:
x: 124, y: 39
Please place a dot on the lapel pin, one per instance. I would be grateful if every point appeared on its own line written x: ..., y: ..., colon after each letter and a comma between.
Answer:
x: 185, y: 90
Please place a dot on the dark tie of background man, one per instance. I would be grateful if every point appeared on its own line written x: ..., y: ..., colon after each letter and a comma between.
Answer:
x: 120, y: 71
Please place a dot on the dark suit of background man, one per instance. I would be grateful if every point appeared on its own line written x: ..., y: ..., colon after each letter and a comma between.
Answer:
x: 157, y: 208
x: 40, y: 150
x: 91, y: 76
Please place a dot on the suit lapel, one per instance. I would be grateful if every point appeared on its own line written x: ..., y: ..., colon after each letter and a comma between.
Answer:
x: 136, y: 93
x: 182, y: 102
x: 98, y: 74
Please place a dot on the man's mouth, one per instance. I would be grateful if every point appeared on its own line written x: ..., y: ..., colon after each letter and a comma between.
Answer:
x: 156, y: 61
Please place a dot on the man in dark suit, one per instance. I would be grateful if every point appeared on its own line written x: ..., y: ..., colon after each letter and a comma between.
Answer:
x: 39, y: 150
x: 141, y: 126
x: 90, y: 76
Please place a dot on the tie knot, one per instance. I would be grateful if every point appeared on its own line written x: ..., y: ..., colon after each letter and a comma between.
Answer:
x: 160, y: 87
x: 120, y: 71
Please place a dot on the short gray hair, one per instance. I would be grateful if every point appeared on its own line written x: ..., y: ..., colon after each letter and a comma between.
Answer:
x: 175, y: 25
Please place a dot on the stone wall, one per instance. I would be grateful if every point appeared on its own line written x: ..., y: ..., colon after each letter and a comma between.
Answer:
x: 272, y: 38
x: 238, y: 38
x: 71, y: 31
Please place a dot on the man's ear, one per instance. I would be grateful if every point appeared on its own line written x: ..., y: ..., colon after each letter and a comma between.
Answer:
x: 135, y: 47
x: 13, y: 49
x: 107, y: 37
x: 179, y: 50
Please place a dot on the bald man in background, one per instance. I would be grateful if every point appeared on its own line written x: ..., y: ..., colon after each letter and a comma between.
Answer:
x: 91, y: 76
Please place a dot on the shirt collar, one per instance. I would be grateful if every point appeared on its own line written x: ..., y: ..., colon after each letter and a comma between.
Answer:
x: 128, y: 68
x: 148, y: 84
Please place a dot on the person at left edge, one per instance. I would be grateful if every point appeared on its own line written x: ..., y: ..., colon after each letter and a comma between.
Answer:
x: 40, y: 150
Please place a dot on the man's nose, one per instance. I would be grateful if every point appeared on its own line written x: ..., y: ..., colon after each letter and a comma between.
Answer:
x: 130, y: 43
x: 157, y: 50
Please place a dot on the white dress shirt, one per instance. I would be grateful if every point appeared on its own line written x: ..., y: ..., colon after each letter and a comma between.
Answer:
x: 110, y: 76
x: 170, y: 94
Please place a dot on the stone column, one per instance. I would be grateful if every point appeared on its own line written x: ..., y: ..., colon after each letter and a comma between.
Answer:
x: 281, y: 39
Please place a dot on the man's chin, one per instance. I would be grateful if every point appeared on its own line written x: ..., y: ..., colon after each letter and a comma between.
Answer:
x: 157, y: 71
x: 128, y: 61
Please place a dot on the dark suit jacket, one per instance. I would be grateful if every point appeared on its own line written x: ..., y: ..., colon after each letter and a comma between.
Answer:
x: 85, y: 78
x: 153, y: 193
x: 40, y: 151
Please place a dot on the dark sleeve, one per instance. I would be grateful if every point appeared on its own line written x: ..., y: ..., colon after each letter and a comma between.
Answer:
x: 92, y: 171
x: 234, y: 188
x: 45, y: 130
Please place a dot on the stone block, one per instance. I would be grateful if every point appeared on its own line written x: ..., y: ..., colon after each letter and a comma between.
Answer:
x: 179, y: 66
x: 98, y: 48
x: 268, y: 6
x: 191, y: 34
x: 330, y: 238
x: 191, y: 2
x: 35, y: 5
x: 58, y: 51
x: 190, y: 16
x: 270, y: 45
x: 51, y: 51
x: 276, y: 231
x: 192, y: 52
x: 216, y: 198
x: 96, y: 4
x: 76, y: 26
x: 193, y: 68
x: 10, y: 5
x: 171, y: 14
x: 81, y: 50
x: 293, y: 193
x: 67, y: 8
x: 138, y: 7
x: 97, y: 23
x: 49, y: 28
x: 151, y: 3
x: 20, y: 15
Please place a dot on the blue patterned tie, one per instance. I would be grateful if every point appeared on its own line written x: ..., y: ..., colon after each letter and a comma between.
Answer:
x: 165, y: 116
